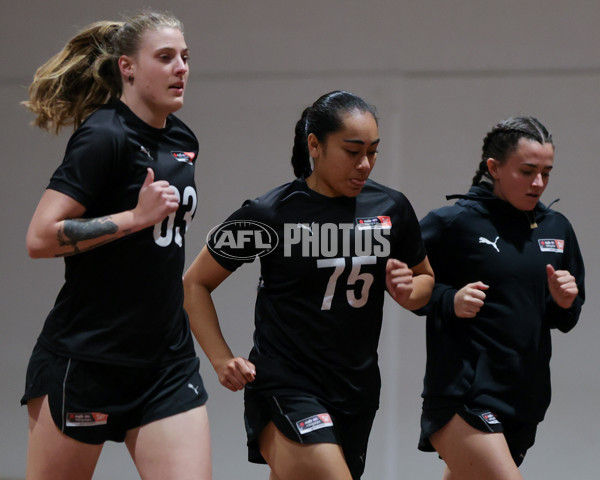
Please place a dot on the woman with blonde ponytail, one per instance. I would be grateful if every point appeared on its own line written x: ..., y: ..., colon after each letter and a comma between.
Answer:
x: 115, y: 359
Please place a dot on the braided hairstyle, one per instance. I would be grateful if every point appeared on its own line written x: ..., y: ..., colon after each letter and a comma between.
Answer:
x: 323, y: 117
x: 84, y: 75
x: 502, y: 141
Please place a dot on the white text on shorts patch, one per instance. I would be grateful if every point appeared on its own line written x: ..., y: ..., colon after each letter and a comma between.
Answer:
x: 315, y: 422
x: 551, y: 245
x: 91, y: 419
x: 489, y: 418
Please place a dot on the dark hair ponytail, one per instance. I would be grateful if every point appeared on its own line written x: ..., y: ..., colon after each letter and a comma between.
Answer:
x: 323, y: 117
x: 502, y: 141
x: 300, y: 156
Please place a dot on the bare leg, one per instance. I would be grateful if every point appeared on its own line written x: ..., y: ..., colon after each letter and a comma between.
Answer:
x: 51, y: 454
x: 473, y: 455
x: 173, y: 448
x: 293, y: 461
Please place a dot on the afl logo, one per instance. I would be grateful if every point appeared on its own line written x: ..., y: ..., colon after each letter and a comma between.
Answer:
x: 242, y: 239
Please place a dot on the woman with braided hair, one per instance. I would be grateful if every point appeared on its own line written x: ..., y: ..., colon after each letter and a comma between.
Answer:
x: 115, y: 359
x: 508, y: 270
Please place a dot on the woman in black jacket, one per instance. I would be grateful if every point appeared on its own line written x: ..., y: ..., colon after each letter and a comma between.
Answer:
x: 508, y: 270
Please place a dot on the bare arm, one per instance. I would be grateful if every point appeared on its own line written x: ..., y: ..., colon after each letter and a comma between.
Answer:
x: 203, y: 276
x: 57, y: 229
x: 410, y: 287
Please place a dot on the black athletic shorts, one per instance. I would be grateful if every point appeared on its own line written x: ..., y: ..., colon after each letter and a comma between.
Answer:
x: 93, y: 402
x: 306, y: 419
x: 520, y: 436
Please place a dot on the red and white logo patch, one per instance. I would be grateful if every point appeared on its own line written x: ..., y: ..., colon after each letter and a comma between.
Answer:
x: 91, y: 419
x: 489, y: 418
x: 551, y: 245
x: 381, y: 222
x: 315, y: 422
x: 186, y: 157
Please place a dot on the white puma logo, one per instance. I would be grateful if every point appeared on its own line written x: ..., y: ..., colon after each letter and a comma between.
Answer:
x: 195, y: 389
x: 493, y: 244
x: 145, y: 150
x: 306, y: 226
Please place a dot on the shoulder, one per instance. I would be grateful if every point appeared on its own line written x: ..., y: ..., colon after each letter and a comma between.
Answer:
x: 450, y: 216
x: 101, y: 128
x: 555, y: 215
x: 377, y: 197
x: 555, y: 219
x: 180, y: 127
x: 373, y: 189
x: 107, y: 118
x: 266, y: 205
x: 284, y: 194
x: 448, y: 213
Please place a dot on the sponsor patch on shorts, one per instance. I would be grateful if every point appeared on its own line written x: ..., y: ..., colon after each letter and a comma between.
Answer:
x: 381, y: 222
x: 489, y: 418
x: 551, y: 245
x: 315, y: 422
x: 91, y: 419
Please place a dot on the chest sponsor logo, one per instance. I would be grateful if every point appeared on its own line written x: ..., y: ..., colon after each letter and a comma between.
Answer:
x: 146, y: 152
x: 91, y: 419
x: 185, y: 157
x: 551, y: 245
x: 489, y: 418
x: 489, y: 242
x: 322, y: 420
x: 371, y: 223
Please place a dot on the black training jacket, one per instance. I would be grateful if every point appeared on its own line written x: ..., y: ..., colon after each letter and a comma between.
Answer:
x: 499, y: 359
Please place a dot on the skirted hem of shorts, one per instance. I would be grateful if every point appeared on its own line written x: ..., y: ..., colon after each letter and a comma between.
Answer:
x: 94, y: 402
x: 520, y: 436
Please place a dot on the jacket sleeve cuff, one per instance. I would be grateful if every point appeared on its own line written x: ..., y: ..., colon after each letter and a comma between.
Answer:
x: 441, y: 303
x: 564, y: 319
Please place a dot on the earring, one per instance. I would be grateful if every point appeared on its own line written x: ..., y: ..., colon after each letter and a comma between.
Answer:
x: 130, y: 79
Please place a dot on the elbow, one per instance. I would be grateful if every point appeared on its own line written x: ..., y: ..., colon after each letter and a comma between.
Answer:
x: 426, y: 290
x: 418, y: 305
x: 564, y: 319
x: 36, y: 248
x: 187, y: 282
x: 416, y: 302
x: 566, y: 324
x: 189, y: 290
x: 35, y: 252
x: 193, y: 286
x: 566, y: 327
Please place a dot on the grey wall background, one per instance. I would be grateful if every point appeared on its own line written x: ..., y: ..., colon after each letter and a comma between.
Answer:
x: 441, y: 73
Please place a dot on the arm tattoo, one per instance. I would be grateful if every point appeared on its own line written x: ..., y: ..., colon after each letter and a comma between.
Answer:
x: 79, y: 229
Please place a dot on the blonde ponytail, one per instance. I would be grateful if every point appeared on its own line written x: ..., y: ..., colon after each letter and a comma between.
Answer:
x: 76, y: 81
x: 85, y: 75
